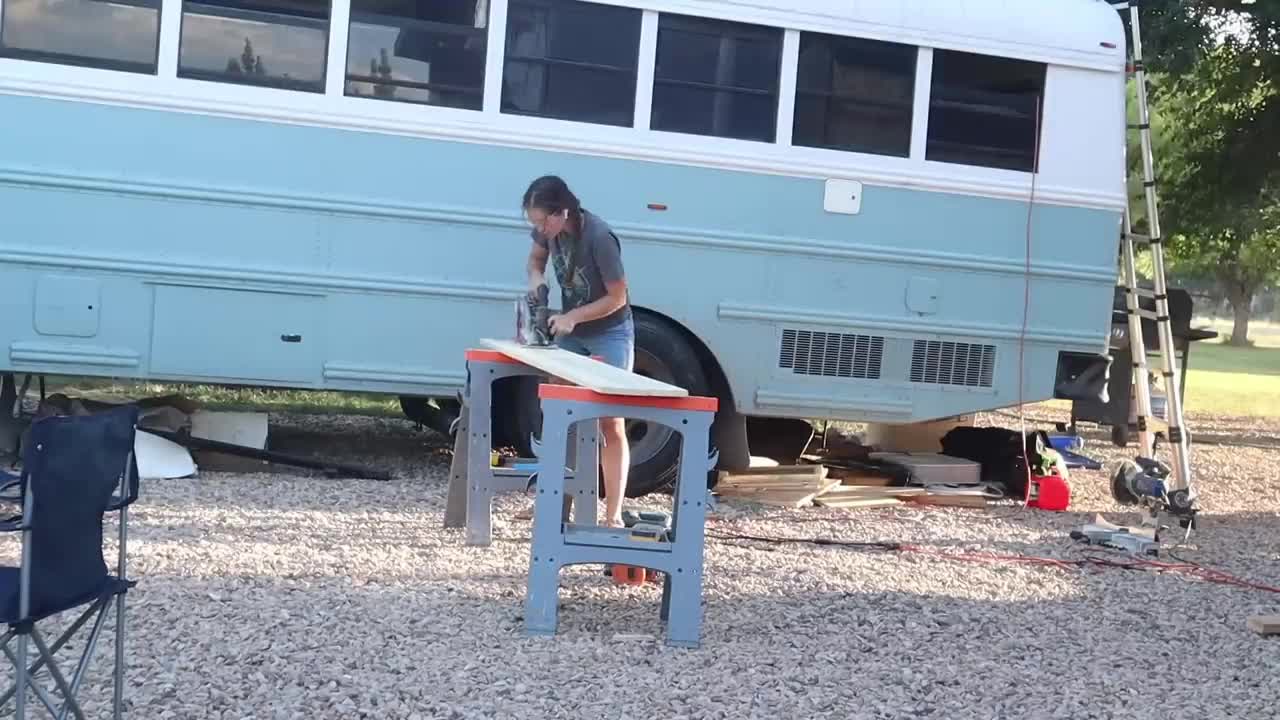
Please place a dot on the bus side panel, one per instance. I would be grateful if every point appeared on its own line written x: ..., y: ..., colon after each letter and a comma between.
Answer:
x: 409, y: 250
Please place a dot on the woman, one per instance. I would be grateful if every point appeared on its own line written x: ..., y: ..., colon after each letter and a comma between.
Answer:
x: 595, y: 318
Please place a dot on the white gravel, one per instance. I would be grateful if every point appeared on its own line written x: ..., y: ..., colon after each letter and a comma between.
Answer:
x: 291, y: 596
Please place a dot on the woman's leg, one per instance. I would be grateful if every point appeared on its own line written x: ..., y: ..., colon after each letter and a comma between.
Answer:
x: 615, y: 460
x: 617, y: 347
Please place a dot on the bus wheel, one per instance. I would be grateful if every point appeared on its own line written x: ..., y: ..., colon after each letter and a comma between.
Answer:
x: 436, y: 414
x: 662, y: 353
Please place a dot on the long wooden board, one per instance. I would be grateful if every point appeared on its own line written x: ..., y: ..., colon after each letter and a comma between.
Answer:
x: 584, y: 371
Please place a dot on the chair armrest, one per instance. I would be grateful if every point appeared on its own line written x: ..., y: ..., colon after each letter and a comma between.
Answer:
x: 13, y: 523
x: 16, y: 496
x: 119, y: 503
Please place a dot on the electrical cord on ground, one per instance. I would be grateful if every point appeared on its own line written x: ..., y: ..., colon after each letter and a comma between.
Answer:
x: 1026, y: 310
x: 868, y: 545
x: 1092, y: 559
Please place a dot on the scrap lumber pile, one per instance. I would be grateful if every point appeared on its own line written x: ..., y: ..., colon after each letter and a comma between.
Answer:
x: 784, y: 486
x: 849, y: 475
x: 804, y: 485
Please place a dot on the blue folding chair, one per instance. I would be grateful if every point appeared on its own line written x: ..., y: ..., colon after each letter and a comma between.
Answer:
x: 75, y: 470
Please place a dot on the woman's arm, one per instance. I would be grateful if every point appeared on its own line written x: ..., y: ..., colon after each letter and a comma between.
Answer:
x: 537, y: 265
x: 615, y: 297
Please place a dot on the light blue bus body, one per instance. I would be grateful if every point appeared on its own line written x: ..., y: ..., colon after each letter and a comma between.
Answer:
x: 205, y: 232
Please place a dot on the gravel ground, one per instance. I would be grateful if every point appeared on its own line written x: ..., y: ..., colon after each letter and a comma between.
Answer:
x: 291, y: 596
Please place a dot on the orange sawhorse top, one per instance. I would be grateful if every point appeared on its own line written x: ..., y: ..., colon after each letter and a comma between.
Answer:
x: 581, y: 394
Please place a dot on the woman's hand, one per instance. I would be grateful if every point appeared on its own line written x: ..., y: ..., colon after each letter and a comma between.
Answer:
x: 562, y: 324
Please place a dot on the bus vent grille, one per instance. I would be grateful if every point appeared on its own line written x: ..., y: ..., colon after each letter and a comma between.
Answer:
x: 952, y: 363
x: 805, y: 352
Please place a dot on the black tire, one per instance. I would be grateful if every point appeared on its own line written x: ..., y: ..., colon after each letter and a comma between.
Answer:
x: 1120, y: 435
x: 437, y: 416
x: 662, y: 353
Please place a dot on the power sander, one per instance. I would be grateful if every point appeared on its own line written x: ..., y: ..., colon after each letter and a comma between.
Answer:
x: 533, y: 318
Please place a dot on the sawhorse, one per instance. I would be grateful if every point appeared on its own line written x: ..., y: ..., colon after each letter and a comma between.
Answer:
x: 474, y: 480
x: 557, y: 543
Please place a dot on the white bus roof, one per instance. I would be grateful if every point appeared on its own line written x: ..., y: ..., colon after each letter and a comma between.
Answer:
x: 1085, y: 33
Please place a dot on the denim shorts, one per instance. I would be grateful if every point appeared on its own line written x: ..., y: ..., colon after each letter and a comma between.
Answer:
x: 615, y: 345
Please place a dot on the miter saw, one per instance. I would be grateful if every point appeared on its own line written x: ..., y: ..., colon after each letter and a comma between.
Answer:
x: 1142, y: 482
x: 1145, y: 482
x: 533, y: 318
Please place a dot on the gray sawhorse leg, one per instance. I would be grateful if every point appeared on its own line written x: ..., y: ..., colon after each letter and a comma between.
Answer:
x: 557, y: 543
x: 474, y: 482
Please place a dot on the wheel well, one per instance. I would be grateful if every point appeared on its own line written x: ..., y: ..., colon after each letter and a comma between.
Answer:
x: 715, y: 374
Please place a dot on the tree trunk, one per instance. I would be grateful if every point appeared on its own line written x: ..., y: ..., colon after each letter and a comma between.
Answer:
x: 1240, y: 304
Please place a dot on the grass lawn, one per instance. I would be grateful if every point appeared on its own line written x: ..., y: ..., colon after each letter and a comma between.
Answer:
x: 230, y: 398
x: 1236, y: 381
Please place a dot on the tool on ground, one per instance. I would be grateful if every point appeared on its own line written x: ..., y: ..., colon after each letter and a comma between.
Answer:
x: 1140, y: 541
x: 1068, y: 446
x: 533, y: 318
x: 649, y: 526
x: 1180, y: 490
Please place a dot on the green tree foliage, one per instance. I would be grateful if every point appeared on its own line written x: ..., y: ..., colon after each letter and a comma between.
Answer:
x: 1216, y: 116
x: 1243, y: 36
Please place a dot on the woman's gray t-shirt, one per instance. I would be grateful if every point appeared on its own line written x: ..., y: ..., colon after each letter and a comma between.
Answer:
x: 595, y: 258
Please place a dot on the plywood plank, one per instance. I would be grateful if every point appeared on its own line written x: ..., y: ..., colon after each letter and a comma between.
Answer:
x: 584, y: 371
x: 865, y: 491
x: 788, y: 496
x: 867, y: 502
x: 776, y: 470
x: 949, y: 500
x: 858, y: 477
x: 813, y: 476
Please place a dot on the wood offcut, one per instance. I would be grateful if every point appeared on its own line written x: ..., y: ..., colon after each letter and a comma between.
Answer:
x: 1265, y: 625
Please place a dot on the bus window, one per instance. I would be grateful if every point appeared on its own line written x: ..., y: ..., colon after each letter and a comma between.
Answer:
x: 572, y: 61
x: 275, y: 43
x: 429, y: 53
x: 89, y: 33
x: 715, y: 77
x: 983, y: 110
x: 854, y: 94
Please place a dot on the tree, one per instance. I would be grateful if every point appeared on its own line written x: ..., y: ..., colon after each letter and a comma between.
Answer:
x: 1216, y: 65
x: 1215, y: 225
x: 1179, y: 34
x: 247, y: 64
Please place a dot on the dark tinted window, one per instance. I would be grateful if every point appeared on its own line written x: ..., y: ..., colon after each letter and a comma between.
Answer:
x: 418, y: 51
x: 116, y: 36
x: 571, y: 60
x: 276, y: 43
x: 715, y: 77
x: 983, y: 110
x: 854, y: 94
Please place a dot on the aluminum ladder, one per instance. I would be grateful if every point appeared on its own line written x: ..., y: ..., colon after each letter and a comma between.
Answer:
x: 1174, y: 492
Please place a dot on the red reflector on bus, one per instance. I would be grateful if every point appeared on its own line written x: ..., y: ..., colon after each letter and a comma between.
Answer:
x: 657, y: 206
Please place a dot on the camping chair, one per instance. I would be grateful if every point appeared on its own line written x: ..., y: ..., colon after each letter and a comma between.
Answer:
x: 75, y: 470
